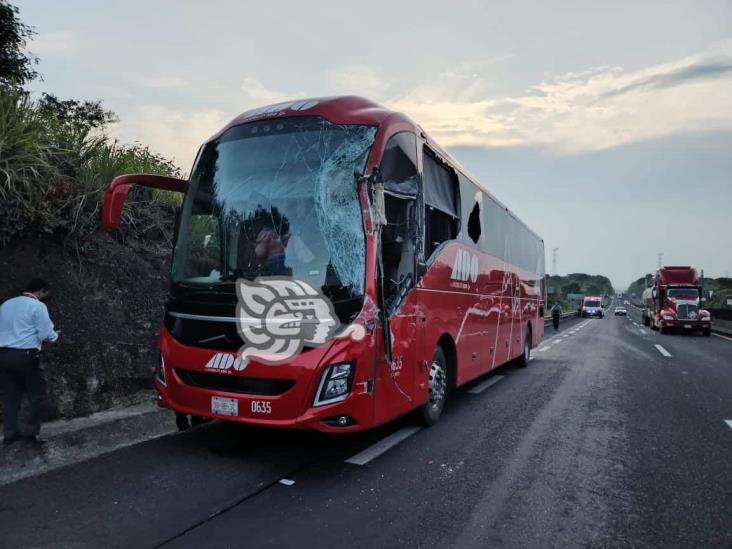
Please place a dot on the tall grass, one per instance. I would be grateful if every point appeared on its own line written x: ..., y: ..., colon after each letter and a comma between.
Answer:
x: 24, y: 148
x: 53, y: 174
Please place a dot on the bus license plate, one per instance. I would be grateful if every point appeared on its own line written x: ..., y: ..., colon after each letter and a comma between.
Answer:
x: 224, y: 406
x: 688, y: 326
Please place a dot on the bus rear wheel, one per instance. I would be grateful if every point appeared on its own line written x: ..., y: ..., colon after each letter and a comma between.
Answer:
x: 525, y: 357
x: 431, y: 411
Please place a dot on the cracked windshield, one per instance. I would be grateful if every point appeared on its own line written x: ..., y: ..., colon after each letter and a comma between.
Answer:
x: 278, y: 198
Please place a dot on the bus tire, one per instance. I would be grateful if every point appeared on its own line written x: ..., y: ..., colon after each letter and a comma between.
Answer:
x: 707, y: 332
x: 431, y: 411
x: 182, y: 422
x: 523, y: 360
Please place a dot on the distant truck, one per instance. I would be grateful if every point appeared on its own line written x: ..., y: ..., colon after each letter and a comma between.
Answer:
x: 673, y: 302
x: 592, y: 306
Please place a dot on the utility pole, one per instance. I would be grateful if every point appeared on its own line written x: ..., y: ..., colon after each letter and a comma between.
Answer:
x: 660, y: 260
x: 554, y: 261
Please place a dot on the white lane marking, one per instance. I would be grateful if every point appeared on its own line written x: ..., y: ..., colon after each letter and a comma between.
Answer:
x: 386, y: 443
x: 642, y: 332
x: 723, y: 337
x: 728, y: 422
x: 661, y: 350
x: 557, y: 341
x: 635, y: 324
x: 542, y: 349
x: 287, y: 481
x: 487, y: 383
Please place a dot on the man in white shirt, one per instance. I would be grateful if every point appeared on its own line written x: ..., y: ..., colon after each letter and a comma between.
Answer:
x: 24, y: 326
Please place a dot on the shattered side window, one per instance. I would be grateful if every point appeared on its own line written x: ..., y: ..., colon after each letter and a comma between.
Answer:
x: 399, y: 165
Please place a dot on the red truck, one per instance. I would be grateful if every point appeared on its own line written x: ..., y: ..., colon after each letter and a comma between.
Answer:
x: 673, y: 302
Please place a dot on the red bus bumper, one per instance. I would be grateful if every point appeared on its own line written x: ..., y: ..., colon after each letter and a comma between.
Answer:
x: 292, y: 408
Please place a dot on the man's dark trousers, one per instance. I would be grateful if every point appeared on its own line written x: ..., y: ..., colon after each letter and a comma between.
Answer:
x: 20, y: 373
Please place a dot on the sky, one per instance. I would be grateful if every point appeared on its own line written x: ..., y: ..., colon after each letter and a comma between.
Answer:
x: 605, y: 126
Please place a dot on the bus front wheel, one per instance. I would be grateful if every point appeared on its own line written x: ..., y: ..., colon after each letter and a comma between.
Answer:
x: 437, y: 389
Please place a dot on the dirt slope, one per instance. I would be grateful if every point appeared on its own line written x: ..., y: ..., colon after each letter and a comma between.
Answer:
x: 107, y: 299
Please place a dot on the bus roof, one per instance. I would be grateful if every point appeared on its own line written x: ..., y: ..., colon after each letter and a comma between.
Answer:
x: 353, y: 109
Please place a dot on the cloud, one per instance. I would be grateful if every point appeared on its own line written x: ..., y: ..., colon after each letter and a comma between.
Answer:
x: 595, y: 109
x: 255, y: 94
x: 53, y: 42
x: 598, y: 108
x: 173, y: 133
x: 677, y: 76
x: 163, y: 82
x: 358, y: 80
x: 177, y: 134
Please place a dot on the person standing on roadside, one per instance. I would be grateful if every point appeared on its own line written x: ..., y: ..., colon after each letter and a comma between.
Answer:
x: 24, y: 326
x: 556, y: 315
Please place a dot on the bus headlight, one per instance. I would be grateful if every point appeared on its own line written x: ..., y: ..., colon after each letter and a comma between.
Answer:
x: 160, y: 372
x: 335, y: 384
x: 668, y: 317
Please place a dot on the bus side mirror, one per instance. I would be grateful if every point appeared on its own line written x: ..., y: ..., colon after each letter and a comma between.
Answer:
x: 116, y: 194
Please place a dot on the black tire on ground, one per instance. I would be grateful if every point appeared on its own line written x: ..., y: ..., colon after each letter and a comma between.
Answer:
x: 181, y: 421
x: 707, y: 333
x: 199, y: 420
x: 523, y: 360
x: 431, y: 411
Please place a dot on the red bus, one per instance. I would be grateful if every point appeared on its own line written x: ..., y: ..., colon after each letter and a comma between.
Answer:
x: 430, y: 281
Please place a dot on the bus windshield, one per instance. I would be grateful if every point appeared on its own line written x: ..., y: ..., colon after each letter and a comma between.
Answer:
x: 592, y: 303
x: 277, y: 198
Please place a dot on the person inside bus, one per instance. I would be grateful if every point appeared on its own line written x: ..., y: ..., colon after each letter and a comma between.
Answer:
x: 271, y: 242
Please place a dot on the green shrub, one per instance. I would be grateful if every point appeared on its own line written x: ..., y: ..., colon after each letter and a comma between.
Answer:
x: 55, y: 164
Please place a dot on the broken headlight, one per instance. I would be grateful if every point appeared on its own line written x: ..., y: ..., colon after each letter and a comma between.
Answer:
x: 335, y: 384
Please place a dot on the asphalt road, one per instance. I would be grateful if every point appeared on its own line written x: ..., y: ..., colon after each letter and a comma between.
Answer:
x: 603, y: 441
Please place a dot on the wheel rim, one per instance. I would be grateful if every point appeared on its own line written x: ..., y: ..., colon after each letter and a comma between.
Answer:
x: 437, y: 386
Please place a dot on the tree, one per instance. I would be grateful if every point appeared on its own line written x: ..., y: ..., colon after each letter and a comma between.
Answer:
x: 572, y: 288
x: 76, y: 115
x: 75, y: 131
x: 16, y: 66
